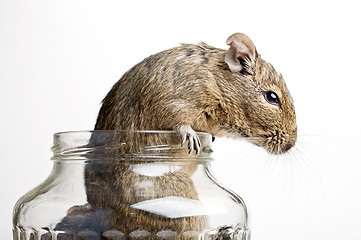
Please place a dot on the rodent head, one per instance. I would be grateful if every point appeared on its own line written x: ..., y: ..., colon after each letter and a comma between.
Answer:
x: 262, y: 110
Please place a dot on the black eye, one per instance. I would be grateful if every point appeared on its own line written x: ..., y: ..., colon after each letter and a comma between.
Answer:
x: 272, y: 98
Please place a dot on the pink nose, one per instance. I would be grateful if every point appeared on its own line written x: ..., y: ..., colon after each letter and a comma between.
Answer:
x: 287, y: 147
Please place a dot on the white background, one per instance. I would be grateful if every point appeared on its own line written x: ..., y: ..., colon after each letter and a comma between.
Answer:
x: 58, y: 59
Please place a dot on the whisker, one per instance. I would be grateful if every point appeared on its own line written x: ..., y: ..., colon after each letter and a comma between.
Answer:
x: 288, y: 180
x: 309, y: 174
x: 266, y: 168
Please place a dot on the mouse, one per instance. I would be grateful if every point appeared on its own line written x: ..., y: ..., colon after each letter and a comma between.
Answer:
x: 190, y: 88
x: 187, y: 89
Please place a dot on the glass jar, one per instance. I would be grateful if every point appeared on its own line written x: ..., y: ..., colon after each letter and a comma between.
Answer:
x: 129, y: 185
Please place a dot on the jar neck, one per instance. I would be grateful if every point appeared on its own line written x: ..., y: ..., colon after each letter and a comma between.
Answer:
x: 128, y: 147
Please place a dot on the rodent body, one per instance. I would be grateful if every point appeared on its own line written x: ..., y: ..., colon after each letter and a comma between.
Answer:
x: 168, y: 90
x: 190, y: 88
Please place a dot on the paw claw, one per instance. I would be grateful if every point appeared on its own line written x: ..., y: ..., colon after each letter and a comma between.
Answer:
x: 187, y: 133
x: 197, y: 144
x: 183, y: 139
x: 190, y: 145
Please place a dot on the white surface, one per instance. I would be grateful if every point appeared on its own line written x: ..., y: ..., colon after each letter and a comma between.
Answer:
x: 58, y: 59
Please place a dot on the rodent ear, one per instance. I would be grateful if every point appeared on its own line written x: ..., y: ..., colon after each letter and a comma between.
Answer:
x: 241, y: 55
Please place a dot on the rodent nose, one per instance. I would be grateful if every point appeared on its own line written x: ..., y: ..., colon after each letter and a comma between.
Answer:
x: 287, y: 147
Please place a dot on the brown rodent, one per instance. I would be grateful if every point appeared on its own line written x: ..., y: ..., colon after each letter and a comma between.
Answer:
x: 188, y: 88
x: 201, y: 88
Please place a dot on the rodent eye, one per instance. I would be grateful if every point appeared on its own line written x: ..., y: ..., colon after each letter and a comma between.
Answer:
x: 272, y: 98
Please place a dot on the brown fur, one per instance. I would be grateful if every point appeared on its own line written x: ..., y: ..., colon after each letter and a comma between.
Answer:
x: 192, y: 85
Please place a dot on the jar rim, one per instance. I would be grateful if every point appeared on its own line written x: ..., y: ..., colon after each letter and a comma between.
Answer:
x: 115, y: 131
x: 117, y: 145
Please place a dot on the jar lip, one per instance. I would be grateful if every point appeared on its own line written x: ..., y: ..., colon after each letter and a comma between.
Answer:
x: 144, y: 145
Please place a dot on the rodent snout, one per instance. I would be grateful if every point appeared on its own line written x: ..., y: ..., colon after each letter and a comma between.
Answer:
x: 279, y: 142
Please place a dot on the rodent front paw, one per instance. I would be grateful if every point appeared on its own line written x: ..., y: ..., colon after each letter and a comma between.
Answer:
x: 194, y: 143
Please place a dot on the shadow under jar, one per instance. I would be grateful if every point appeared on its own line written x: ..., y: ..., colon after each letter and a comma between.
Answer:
x: 129, y: 185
